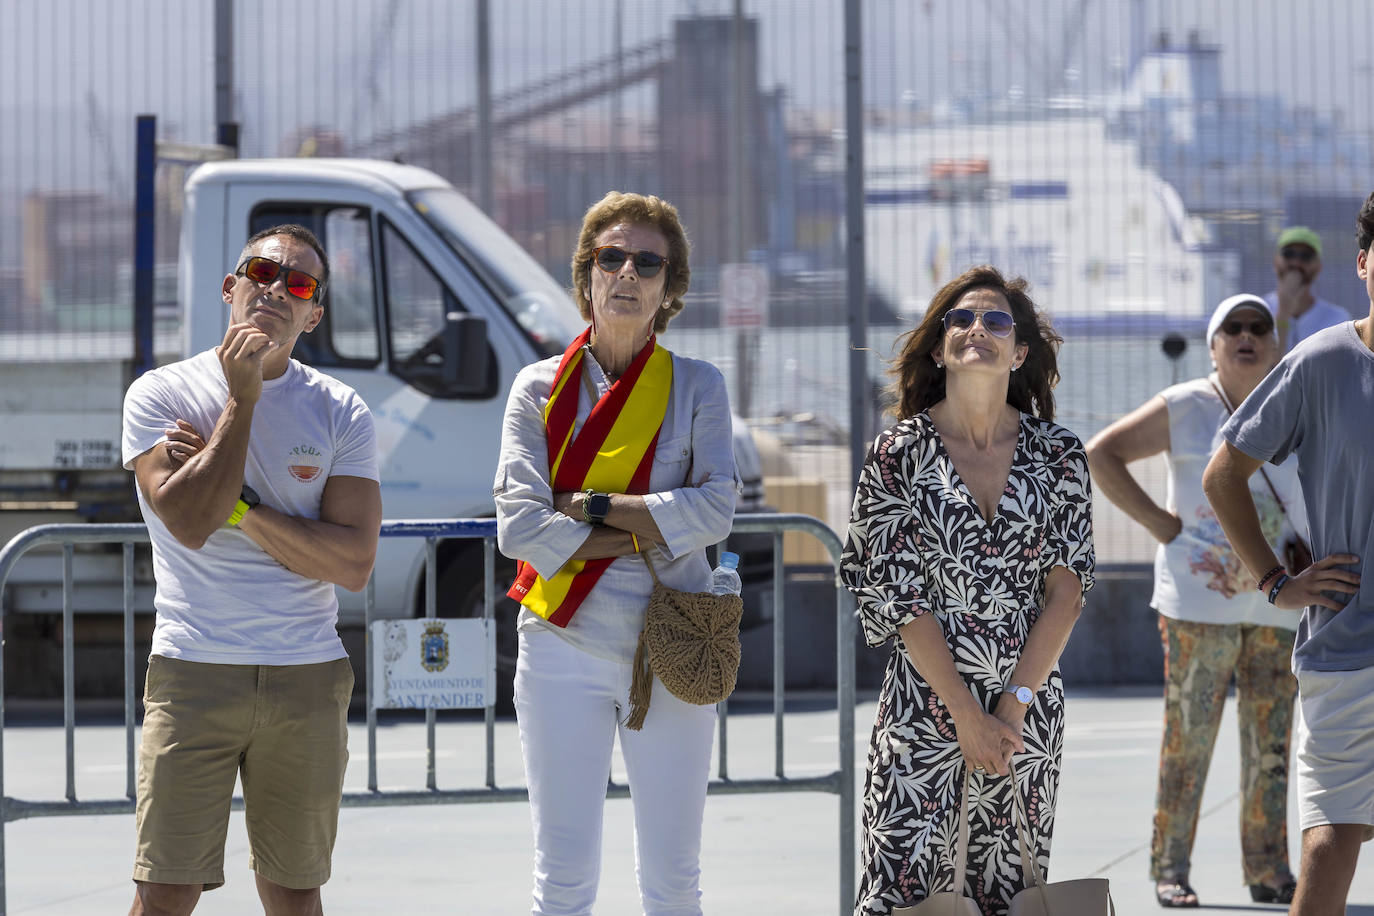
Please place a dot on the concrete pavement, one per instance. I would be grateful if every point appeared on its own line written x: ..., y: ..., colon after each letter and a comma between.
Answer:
x: 768, y: 853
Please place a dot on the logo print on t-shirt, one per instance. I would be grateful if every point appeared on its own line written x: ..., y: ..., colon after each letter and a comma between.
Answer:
x: 305, y: 463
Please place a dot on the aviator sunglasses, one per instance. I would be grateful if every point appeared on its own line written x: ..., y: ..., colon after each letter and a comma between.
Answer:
x: 610, y: 259
x: 265, y: 270
x: 996, y: 322
x: 1259, y: 327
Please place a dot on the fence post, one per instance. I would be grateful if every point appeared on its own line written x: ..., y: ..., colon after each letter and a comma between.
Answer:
x: 145, y: 174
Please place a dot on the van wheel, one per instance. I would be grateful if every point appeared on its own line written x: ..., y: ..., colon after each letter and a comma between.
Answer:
x: 460, y: 595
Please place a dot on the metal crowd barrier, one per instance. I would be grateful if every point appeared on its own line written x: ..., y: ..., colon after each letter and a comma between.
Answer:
x: 839, y: 782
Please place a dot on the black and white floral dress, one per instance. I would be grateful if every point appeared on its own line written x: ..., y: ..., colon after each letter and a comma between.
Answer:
x: 919, y: 544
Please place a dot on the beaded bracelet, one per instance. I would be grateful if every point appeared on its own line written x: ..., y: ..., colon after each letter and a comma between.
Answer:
x: 1269, y: 575
x: 1279, y: 583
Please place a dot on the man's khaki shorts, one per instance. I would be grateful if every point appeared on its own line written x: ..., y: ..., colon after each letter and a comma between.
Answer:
x: 282, y: 729
x: 1335, y: 740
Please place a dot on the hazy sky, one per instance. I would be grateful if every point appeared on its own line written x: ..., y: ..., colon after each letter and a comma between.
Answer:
x: 73, y: 73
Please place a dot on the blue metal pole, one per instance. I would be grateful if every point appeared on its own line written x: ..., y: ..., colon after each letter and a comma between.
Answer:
x: 145, y: 173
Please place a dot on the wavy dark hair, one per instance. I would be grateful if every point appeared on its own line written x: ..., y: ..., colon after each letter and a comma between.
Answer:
x: 918, y: 383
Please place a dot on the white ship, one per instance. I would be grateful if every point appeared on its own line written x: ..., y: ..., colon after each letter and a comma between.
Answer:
x: 1137, y: 210
x: 1054, y: 200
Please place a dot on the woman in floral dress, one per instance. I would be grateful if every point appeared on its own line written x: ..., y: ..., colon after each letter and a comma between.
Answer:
x: 970, y: 541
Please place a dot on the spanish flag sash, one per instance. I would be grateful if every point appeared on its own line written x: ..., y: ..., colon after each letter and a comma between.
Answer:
x: 613, y: 453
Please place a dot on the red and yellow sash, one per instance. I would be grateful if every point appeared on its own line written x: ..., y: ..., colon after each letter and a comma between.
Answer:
x: 613, y: 453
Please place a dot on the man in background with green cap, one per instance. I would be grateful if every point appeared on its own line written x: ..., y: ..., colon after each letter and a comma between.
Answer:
x: 1298, y: 312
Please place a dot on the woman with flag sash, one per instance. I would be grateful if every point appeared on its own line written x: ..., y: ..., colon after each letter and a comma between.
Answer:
x: 616, y: 447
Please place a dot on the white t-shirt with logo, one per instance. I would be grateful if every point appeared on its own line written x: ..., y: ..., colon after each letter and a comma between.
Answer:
x: 230, y: 602
x: 1198, y: 576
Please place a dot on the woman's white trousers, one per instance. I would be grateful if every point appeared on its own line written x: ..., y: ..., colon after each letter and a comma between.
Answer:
x: 570, y: 704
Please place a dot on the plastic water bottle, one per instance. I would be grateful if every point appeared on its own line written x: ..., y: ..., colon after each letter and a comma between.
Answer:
x: 725, y: 577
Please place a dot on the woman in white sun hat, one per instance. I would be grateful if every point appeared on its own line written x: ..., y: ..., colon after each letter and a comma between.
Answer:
x: 1213, y: 621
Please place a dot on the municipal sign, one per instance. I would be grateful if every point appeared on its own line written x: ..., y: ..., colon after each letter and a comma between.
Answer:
x: 433, y: 663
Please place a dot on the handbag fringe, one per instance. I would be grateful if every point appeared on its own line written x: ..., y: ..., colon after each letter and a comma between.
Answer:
x: 641, y: 684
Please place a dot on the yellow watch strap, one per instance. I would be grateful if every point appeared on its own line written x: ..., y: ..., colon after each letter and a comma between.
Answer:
x: 240, y: 509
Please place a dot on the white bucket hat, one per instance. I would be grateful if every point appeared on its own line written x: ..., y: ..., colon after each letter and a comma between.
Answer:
x: 1227, y: 306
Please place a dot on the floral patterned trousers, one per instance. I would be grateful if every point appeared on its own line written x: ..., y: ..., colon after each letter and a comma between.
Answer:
x: 1199, y: 660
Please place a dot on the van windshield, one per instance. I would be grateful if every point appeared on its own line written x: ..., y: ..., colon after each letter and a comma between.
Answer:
x: 542, y: 308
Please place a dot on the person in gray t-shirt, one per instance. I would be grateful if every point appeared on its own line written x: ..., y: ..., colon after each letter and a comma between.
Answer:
x: 1298, y: 408
x: 1318, y: 403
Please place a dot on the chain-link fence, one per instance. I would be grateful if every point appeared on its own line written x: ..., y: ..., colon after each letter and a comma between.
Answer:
x: 1134, y: 159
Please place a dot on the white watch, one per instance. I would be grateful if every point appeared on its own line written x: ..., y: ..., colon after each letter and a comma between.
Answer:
x: 1023, y: 694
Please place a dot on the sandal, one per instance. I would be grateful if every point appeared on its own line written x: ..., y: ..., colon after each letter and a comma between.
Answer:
x: 1264, y: 893
x: 1175, y: 894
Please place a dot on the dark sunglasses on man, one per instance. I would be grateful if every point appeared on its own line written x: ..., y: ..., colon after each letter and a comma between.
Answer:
x: 1300, y: 253
x: 265, y: 271
x: 611, y: 258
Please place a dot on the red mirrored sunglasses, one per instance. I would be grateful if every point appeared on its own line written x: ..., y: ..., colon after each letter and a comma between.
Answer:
x: 265, y: 271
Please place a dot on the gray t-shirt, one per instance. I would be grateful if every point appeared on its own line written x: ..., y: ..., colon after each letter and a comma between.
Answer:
x: 1318, y: 403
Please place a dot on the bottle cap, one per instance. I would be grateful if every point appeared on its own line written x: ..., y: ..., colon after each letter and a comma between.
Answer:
x: 729, y: 560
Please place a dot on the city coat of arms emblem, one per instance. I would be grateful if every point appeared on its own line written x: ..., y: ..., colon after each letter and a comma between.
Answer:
x: 434, y: 647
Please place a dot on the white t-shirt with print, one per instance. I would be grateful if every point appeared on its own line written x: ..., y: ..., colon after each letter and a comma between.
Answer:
x: 230, y: 602
x: 1198, y: 576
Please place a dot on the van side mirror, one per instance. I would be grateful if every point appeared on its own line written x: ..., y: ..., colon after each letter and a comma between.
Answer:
x: 465, y: 368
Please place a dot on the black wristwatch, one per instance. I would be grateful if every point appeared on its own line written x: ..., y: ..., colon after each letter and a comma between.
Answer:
x: 249, y: 496
x: 595, y: 506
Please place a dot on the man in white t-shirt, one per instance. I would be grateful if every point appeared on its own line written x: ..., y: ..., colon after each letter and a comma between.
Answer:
x: 257, y: 477
x: 1298, y: 312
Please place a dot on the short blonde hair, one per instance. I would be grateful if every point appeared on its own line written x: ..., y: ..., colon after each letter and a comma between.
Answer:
x: 644, y: 210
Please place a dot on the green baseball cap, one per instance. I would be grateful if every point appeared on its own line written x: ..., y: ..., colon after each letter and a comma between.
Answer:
x: 1300, y: 235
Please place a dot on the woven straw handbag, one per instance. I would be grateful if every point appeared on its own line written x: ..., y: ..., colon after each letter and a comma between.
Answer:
x: 690, y: 642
